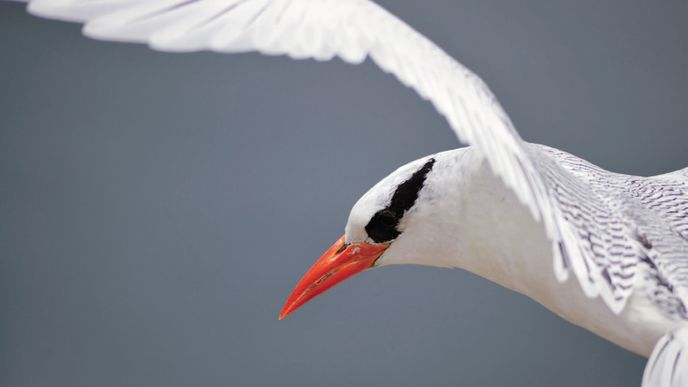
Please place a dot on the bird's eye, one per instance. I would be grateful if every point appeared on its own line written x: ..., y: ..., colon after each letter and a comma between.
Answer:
x: 388, y: 217
x: 382, y: 227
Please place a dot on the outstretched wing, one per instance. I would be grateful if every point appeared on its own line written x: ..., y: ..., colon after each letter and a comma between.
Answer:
x: 321, y: 29
x: 354, y: 30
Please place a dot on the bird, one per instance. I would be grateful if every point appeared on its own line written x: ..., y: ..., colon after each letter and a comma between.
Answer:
x: 605, y: 251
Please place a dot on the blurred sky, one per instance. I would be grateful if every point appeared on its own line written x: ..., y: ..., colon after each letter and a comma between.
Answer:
x: 157, y: 209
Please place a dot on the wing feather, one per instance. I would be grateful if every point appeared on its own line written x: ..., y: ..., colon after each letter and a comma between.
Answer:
x: 354, y: 30
x: 321, y: 29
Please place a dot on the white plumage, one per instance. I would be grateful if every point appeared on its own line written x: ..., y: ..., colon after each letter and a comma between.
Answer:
x: 625, y: 238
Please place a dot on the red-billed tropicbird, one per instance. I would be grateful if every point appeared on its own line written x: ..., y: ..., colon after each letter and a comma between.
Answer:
x: 525, y: 216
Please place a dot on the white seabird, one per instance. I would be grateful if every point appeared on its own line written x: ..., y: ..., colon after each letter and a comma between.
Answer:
x: 525, y: 216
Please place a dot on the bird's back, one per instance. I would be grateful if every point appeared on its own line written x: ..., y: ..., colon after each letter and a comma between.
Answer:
x: 633, y: 226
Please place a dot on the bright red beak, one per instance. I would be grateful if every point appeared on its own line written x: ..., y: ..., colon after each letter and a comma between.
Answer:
x: 339, y: 262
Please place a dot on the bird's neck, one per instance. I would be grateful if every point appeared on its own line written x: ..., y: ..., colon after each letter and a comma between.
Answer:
x: 501, y: 240
x: 479, y: 225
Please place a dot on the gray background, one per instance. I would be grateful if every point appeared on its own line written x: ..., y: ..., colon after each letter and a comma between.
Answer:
x: 156, y: 209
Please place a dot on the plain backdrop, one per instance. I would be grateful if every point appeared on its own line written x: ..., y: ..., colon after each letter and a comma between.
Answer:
x: 157, y: 209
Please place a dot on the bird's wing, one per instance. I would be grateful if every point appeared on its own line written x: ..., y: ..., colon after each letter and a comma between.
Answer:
x: 321, y: 29
x: 668, y: 363
x: 621, y: 227
x: 354, y: 30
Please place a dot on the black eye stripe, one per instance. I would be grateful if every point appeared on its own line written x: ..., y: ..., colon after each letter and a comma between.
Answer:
x: 382, y: 227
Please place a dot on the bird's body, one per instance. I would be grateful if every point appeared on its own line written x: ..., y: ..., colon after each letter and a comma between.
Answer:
x: 608, y: 252
x: 469, y: 220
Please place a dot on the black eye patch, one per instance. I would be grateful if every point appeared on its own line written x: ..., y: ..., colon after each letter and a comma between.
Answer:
x: 382, y: 227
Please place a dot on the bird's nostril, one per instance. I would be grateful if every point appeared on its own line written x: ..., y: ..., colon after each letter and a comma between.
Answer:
x: 344, y: 246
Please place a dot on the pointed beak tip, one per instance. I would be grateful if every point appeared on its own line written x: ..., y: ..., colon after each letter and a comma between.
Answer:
x: 338, y: 263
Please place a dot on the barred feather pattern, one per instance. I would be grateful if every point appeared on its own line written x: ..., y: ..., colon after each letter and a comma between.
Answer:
x: 622, y: 226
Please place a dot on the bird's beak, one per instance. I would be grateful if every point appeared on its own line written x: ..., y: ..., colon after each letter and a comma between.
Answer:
x: 341, y: 261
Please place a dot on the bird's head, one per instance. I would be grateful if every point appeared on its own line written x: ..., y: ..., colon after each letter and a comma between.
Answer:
x: 383, y: 228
